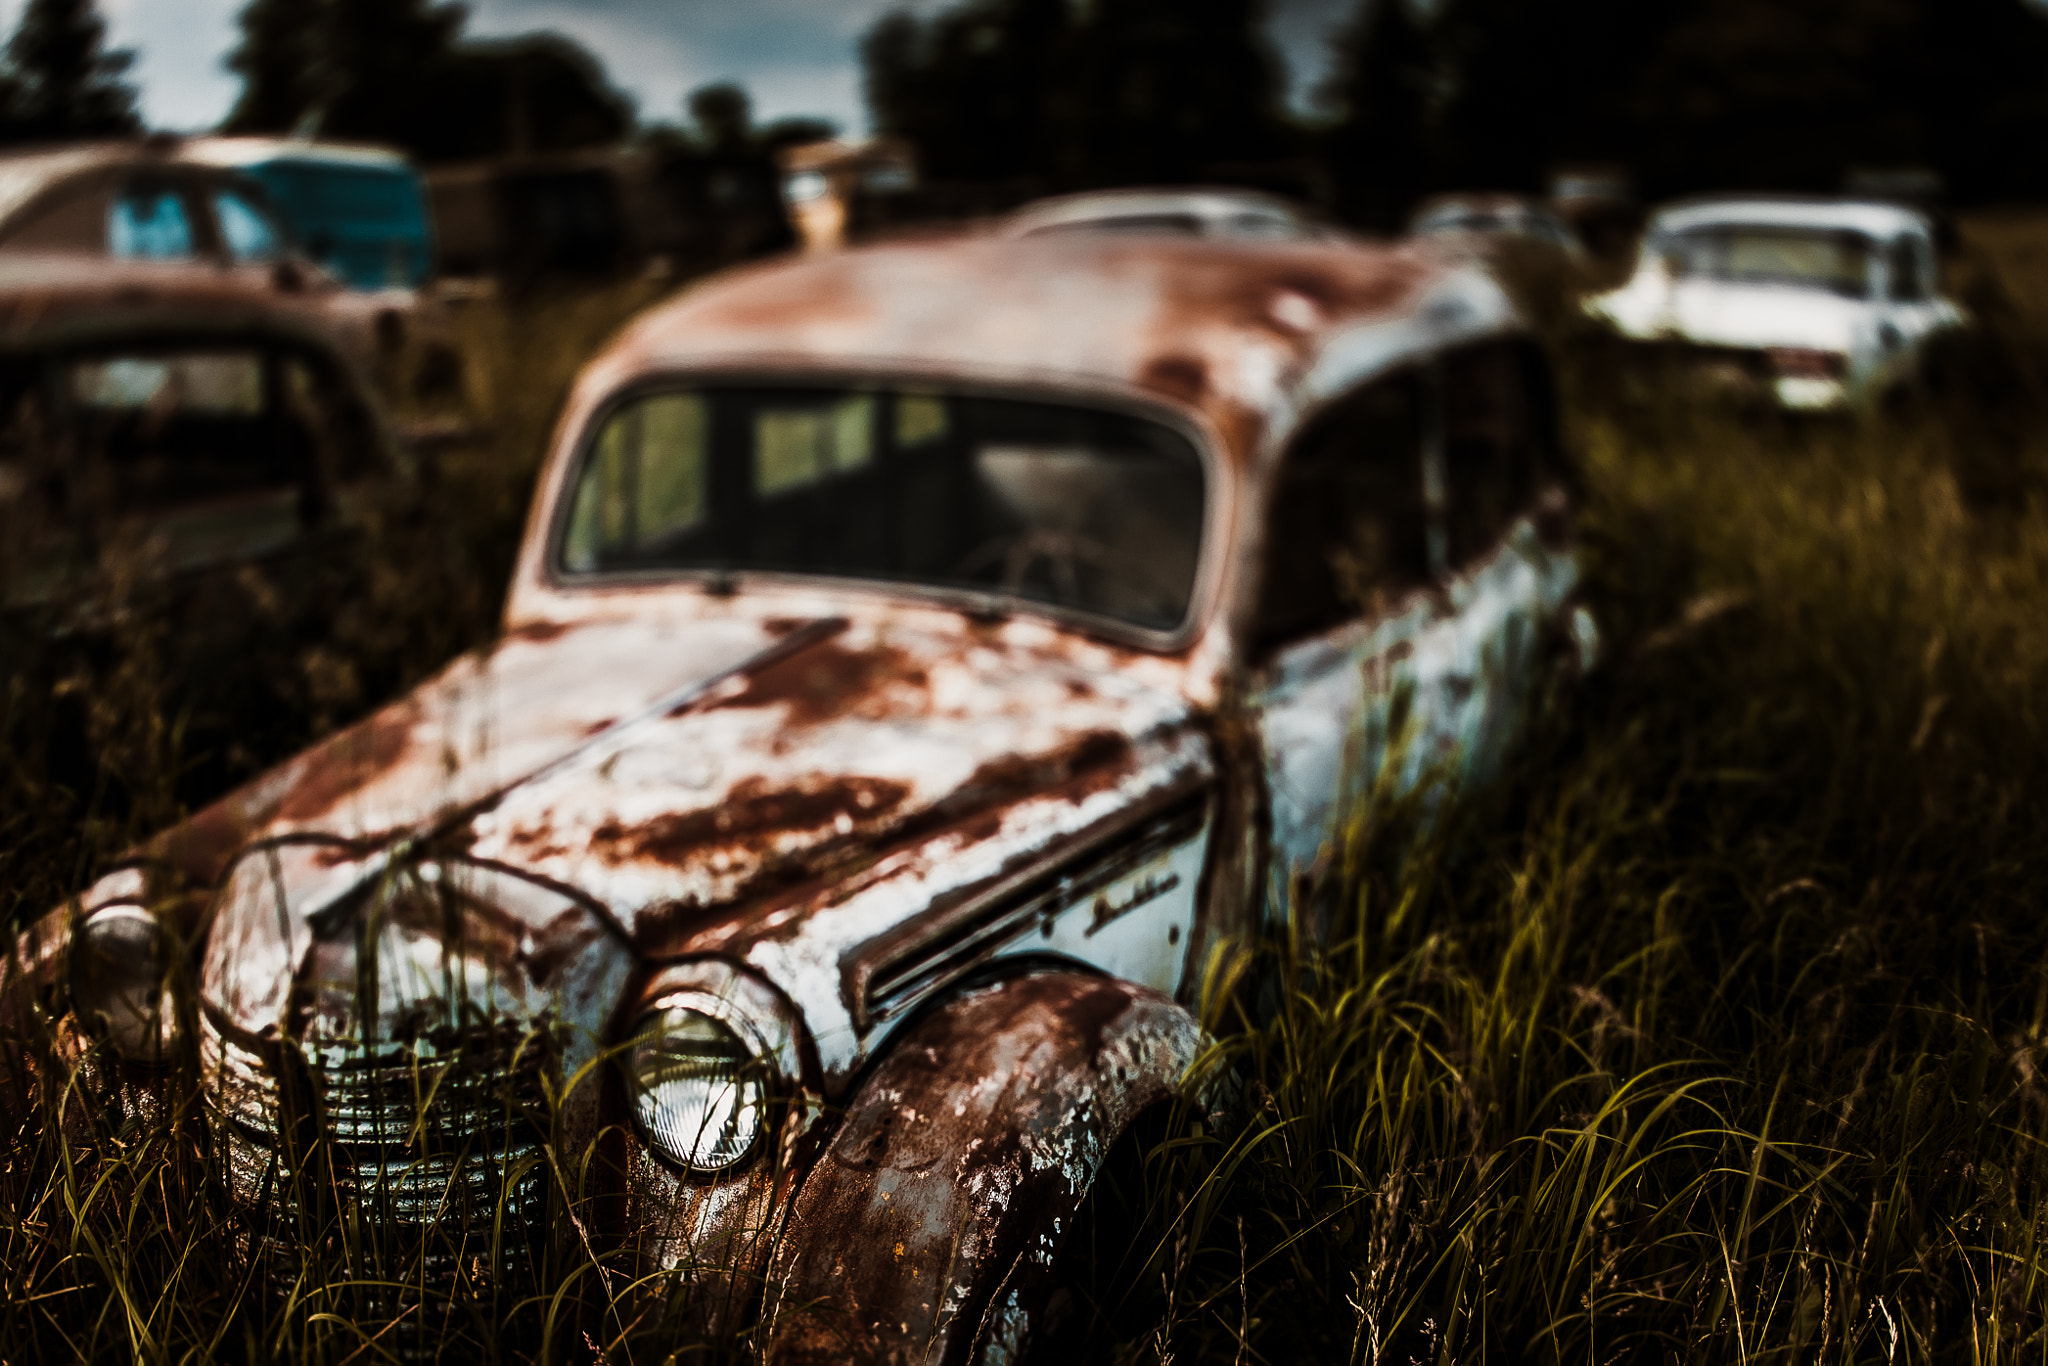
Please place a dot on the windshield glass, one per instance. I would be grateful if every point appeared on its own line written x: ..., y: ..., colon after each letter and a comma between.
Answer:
x: 1096, y: 512
x: 1838, y: 262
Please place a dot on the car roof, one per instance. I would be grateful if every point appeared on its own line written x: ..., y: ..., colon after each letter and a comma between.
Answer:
x: 1870, y: 217
x: 24, y: 175
x: 255, y: 151
x: 1247, y: 334
x: 1107, y: 206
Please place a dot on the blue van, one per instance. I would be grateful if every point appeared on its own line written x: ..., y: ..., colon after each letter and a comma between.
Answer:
x: 360, y: 212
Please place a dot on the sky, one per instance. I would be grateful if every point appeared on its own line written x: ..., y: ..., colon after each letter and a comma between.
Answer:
x: 793, y: 56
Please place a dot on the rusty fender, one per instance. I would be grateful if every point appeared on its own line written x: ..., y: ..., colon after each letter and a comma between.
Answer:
x: 960, y: 1165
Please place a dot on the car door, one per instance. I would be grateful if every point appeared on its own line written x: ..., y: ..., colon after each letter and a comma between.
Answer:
x: 1406, y: 601
x: 1344, y: 594
x: 1502, y: 584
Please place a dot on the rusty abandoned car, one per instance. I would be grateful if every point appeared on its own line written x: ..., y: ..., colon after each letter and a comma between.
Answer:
x: 172, y: 419
x: 922, y: 658
x: 167, y: 199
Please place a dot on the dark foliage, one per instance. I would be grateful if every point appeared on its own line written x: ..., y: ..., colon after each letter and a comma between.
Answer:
x: 61, y: 80
x: 276, y: 63
x: 1077, y: 95
x: 1707, y: 94
x: 397, y: 71
x: 1387, y: 84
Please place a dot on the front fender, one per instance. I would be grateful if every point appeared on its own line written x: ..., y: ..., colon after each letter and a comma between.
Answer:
x: 960, y: 1164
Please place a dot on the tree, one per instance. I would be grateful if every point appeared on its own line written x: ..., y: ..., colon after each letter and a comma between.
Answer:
x: 981, y: 89
x: 538, y: 93
x: 1384, y: 88
x: 1071, y: 95
x: 723, y: 116
x: 1173, y: 91
x: 65, y: 83
x: 276, y: 60
x: 376, y: 65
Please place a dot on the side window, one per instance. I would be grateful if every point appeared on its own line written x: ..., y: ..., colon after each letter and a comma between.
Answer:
x: 1494, y: 431
x: 246, y: 231
x: 149, y: 223
x: 1908, y: 271
x: 1347, y: 528
x: 646, y: 484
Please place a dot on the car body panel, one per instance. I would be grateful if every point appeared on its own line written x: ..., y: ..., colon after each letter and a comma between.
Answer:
x: 963, y: 1159
x: 896, y: 824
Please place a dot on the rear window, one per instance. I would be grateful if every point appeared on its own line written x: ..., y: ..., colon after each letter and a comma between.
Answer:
x: 1095, y: 512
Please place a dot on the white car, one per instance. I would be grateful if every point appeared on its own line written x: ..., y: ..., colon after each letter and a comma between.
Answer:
x: 1819, y: 303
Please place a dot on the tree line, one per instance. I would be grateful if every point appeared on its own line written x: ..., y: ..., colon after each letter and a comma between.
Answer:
x: 1691, y: 95
x: 1049, y: 95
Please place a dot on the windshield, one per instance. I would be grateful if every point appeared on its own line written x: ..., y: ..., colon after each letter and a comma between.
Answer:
x: 1095, y: 512
x: 1838, y: 262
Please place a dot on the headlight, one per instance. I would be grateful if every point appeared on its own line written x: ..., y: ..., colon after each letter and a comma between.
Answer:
x: 118, y: 962
x: 701, y: 1093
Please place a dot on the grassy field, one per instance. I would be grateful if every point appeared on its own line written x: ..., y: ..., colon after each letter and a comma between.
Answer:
x: 1718, y: 1033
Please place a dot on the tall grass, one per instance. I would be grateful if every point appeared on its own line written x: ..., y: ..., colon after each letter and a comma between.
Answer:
x: 1718, y: 1032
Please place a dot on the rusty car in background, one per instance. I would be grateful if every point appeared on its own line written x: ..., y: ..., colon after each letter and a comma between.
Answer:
x: 190, y: 470
x: 1806, y: 304
x: 172, y: 418
x: 922, y: 661
x: 168, y: 199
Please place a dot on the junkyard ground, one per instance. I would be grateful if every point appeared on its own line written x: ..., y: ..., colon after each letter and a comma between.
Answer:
x: 1718, y: 1033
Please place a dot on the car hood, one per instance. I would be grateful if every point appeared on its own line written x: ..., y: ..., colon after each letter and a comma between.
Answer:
x: 663, y: 768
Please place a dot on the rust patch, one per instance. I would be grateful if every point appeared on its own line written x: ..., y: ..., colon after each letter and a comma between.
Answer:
x: 1014, y: 776
x: 972, y: 814
x: 201, y: 847
x: 538, y: 632
x: 750, y: 814
x: 1183, y: 377
x: 825, y: 681
x: 350, y: 761
x: 782, y: 626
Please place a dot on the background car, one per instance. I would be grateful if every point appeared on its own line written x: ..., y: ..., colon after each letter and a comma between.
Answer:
x: 171, y: 414
x: 1813, y: 303
x: 167, y: 199
x: 1228, y: 213
x: 1493, y: 217
x: 359, y: 212
x: 920, y: 661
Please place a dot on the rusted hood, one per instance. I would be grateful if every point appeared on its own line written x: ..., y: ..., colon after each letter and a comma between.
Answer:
x: 812, y: 767
x: 666, y: 767
x: 485, y: 723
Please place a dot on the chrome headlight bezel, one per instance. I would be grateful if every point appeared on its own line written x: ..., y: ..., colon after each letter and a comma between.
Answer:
x: 119, y: 960
x: 765, y: 1030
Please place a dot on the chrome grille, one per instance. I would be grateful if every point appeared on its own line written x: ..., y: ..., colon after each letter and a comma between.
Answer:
x: 413, y: 1182
x: 439, y: 1133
